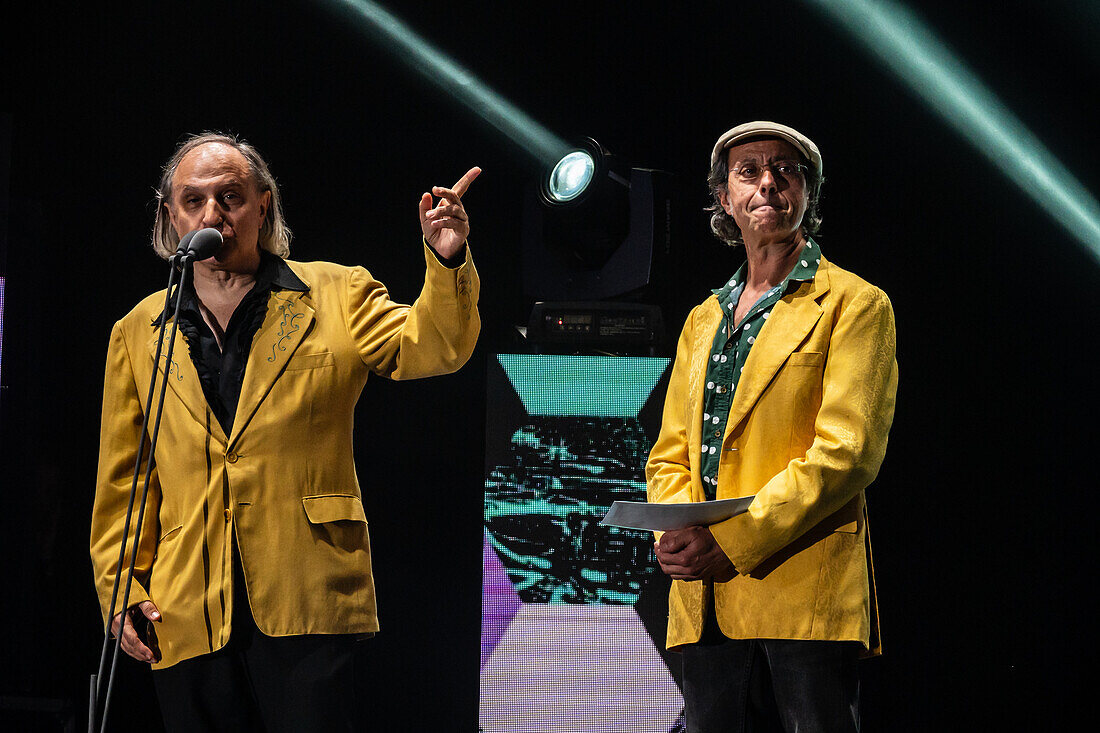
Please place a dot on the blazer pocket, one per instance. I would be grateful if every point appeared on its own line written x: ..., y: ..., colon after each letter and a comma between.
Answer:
x: 805, y: 358
x: 322, y: 508
x: 846, y: 520
x: 850, y: 528
x: 170, y: 534
x: 310, y: 361
x: 165, y: 538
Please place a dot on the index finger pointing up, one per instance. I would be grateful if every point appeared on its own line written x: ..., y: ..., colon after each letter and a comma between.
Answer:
x: 464, y: 182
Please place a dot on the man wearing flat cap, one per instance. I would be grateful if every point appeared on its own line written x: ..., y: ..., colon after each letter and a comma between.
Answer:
x: 782, y: 389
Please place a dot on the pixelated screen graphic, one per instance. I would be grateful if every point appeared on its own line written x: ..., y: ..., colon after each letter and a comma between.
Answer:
x: 565, y: 643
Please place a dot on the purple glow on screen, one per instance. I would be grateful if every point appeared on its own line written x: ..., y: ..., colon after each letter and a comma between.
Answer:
x: 499, y: 602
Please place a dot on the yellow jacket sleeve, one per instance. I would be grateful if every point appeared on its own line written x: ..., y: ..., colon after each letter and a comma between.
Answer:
x: 849, y: 443
x: 435, y: 335
x: 119, y: 432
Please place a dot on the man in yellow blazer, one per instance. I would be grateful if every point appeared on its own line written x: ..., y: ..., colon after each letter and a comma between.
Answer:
x: 783, y: 388
x: 254, y: 567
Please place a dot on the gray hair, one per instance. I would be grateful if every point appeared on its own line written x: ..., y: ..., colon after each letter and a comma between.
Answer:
x: 274, y: 232
x: 723, y: 225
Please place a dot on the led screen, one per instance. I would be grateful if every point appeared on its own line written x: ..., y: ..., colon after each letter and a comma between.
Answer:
x: 568, y: 642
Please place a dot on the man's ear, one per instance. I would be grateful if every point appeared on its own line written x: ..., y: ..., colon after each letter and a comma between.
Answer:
x: 724, y: 199
x: 171, y: 215
x: 265, y: 204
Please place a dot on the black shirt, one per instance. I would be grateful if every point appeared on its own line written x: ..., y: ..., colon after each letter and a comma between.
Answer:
x: 221, y: 372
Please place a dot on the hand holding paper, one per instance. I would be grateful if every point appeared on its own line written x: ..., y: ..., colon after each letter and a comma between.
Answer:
x: 693, y: 554
x: 664, y: 517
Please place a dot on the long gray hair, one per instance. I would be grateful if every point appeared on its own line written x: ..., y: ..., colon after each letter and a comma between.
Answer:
x: 724, y: 226
x: 274, y: 233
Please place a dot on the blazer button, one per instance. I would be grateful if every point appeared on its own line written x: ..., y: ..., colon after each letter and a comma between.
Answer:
x: 232, y: 457
x: 228, y: 515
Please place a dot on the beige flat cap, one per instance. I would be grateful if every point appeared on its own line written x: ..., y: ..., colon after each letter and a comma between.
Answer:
x: 762, y: 128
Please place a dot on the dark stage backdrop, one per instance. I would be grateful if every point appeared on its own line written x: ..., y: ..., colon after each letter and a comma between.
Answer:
x: 982, y: 514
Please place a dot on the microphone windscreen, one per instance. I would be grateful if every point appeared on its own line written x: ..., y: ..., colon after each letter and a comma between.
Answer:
x: 204, y: 244
x: 186, y: 241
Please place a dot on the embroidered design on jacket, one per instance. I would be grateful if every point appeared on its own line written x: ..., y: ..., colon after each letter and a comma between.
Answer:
x: 174, y: 367
x: 286, y: 328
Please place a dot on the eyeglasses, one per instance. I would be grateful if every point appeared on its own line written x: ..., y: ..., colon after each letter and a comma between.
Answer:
x: 750, y: 171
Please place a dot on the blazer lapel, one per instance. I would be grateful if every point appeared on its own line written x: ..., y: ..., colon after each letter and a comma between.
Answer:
x: 183, y: 380
x: 288, y: 319
x: 790, y: 321
x: 706, y: 325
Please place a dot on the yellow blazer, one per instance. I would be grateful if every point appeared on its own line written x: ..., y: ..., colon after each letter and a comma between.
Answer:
x: 283, y: 483
x: 806, y: 434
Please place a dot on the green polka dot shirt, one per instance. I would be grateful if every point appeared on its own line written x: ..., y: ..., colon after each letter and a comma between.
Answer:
x: 730, y: 351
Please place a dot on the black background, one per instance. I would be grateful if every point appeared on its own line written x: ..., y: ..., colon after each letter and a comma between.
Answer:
x: 982, y: 514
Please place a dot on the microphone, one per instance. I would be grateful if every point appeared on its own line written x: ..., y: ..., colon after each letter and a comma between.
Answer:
x: 201, y: 244
x: 182, y: 248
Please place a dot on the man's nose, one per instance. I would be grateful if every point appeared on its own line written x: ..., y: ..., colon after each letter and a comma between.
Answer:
x: 211, y: 213
x: 767, y: 180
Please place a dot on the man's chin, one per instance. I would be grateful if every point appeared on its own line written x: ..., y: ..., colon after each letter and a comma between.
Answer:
x: 230, y: 258
x: 227, y: 252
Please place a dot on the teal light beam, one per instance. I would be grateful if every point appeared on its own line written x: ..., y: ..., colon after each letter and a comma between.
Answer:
x: 908, y: 48
x: 447, y: 74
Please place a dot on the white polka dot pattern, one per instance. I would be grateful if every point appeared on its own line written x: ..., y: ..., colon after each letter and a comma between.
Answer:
x: 729, y: 353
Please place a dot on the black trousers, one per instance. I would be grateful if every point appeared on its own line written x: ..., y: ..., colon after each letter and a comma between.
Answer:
x: 770, y: 685
x: 263, y: 683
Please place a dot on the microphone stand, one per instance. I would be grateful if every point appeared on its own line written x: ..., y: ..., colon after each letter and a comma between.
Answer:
x: 182, y: 262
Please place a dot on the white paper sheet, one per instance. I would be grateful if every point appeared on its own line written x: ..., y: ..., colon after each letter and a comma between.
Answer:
x: 663, y: 517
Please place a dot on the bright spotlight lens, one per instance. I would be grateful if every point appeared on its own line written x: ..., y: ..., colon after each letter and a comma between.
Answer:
x: 571, y: 176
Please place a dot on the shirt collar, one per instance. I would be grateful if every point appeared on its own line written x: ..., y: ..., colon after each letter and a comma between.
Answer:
x: 282, y: 277
x: 273, y: 274
x: 804, y: 270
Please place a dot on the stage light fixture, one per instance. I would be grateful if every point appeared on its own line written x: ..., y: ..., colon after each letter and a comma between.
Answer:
x: 585, y: 206
x: 570, y: 177
x: 587, y: 176
x: 596, y: 229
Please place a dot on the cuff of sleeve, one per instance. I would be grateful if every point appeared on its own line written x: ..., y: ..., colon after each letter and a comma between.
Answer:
x: 137, y: 595
x: 452, y: 263
x: 733, y: 536
x: 458, y: 284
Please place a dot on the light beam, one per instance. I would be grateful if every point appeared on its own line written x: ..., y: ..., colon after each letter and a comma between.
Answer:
x: 906, y: 46
x: 447, y: 74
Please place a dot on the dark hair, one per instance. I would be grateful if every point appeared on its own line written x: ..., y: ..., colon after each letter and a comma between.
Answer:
x: 723, y: 225
x: 274, y: 232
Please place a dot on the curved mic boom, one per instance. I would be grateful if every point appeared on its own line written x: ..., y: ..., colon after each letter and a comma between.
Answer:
x: 186, y: 241
x: 202, y: 244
